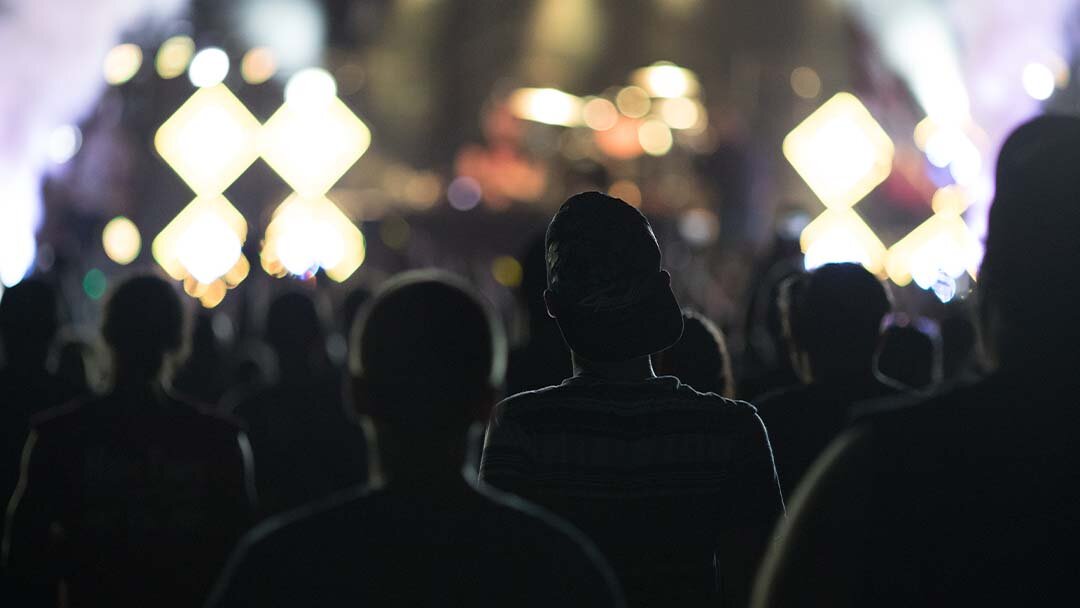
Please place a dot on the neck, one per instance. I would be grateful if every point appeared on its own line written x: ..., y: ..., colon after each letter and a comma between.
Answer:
x: 639, y: 368
x: 423, y: 463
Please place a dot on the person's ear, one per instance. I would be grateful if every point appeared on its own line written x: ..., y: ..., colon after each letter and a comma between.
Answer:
x: 550, y: 304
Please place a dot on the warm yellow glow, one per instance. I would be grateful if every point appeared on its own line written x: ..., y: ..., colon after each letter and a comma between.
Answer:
x: 312, y: 146
x: 950, y: 200
x: 840, y: 235
x: 507, y: 271
x: 805, y: 82
x: 311, y: 87
x: 237, y: 273
x: 121, y: 240
x: 942, y: 244
x: 210, y: 140
x: 655, y: 138
x: 665, y: 79
x: 600, y: 114
x: 840, y: 151
x: 627, y: 191
x: 214, y: 294
x: 258, y: 65
x: 202, y: 241
x: 122, y: 62
x: 633, y: 102
x: 173, y: 56
x: 549, y: 106
x: 923, y: 131
x: 308, y: 233
x: 680, y: 113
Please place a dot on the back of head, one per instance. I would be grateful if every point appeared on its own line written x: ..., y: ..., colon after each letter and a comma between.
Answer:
x: 292, y: 322
x: 836, y: 318
x: 144, y: 322
x: 28, y: 322
x: 426, y: 352
x: 699, y: 358
x: 606, y: 287
x: 1029, y: 277
x: 910, y: 356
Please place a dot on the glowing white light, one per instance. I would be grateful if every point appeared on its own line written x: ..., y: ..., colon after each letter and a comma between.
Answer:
x: 549, y: 106
x: 16, y: 253
x: 310, y: 88
x: 664, y: 79
x: 295, y: 30
x: 966, y: 166
x: 208, y: 248
x: 64, y: 143
x: 699, y: 226
x: 20, y: 215
x: 210, y: 66
x: 311, y: 233
x: 1038, y: 81
x: 835, y: 249
x: 121, y: 240
x: 944, y: 288
x: 945, y: 144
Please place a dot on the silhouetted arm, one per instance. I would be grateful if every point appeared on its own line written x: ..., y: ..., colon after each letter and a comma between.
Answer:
x: 817, y: 558
x: 32, y: 528
x: 754, y: 514
x: 507, y: 461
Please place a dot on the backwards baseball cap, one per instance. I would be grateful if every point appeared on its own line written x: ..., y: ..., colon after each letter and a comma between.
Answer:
x: 612, y: 300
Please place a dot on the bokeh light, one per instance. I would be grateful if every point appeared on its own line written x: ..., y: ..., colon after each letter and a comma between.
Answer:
x: 600, y: 114
x: 548, y: 106
x: 666, y: 80
x: 680, y: 113
x: 507, y: 271
x: 121, y: 63
x: 805, y: 82
x: 621, y: 141
x: 310, y: 88
x: 309, y: 233
x: 1039, y: 81
x: 258, y: 65
x: 64, y: 143
x: 655, y: 138
x: 626, y: 190
x: 173, y: 56
x: 203, y: 240
x: 94, y: 284
x: 699, y: 226
x: 209, y: 67
x: 464, y: 193
x: 633, y: 102
x: 840, y: 235
x: 121, y: 240
x: 395, y: 232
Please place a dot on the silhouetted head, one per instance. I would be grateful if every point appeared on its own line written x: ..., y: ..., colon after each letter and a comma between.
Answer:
x: 606, y: 288
x: 910, y: 356
x: 28, y: 322
x: 700, y: 357
x: 836, y: 319
x: 294, y: 330
x: 144, y: 324
x: 1029, y: 282
x: 427, y: 357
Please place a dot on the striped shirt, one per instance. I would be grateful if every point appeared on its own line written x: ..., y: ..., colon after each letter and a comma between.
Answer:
x: 676, y: 487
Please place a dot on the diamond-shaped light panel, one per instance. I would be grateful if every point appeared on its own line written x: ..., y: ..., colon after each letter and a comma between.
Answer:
x: 203, y: 241
x: 840, y: 151
x: 312, y: 147
x: 840, y: 235
x: 210, y: 140
x: 308, y: 233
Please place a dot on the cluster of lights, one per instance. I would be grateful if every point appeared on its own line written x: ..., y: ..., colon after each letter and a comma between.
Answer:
x: 310, y: 141
x: 644, y: 117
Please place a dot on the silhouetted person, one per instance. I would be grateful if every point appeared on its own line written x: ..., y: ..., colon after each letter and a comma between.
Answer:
x: 202, y: 375
x: 700, y: 357
x: 662, y: 477
x: 134, y: 498
x: 970, y: 498
x: 427, y: 360
x: 834, y: 315
x: 542, y: 359
x: 305, y: 444
x: 959, y: 352
x: 766, y: 362
x: 910, y: 357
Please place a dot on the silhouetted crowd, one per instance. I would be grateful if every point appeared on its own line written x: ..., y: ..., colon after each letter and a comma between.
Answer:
x: 619, y: 471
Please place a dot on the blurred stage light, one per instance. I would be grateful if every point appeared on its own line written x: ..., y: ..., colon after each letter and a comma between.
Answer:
x: 599, y: 114
x: 840, y: 235
x: 173, y: 56
x: 122, y: 62
x: 16, y: 252
x: 295, y: 30
x: 258, y: 65
x: 209, y: 67
x: 507, y: 271
x: 464, y: 193
x: 941, y: 246
x: 621, y: 141
x: 548, y: 106
x: 627, y: 191
x: 203, y: 240
x: 699, y: 226
x: 680, y: 113
x: 655, y: 138
x: 94, y: 284
x: 306, y: 234
x: 805, y: 82
x: 394, y: 232
x: 665, y: 79
x: 121, y: 240
x: 210, y: 140
x: 311, y: 144
x: 64, y: 143
x: 840, y: 151
x: 633, y: 102
x: 1039, y: 81
x: 311, y: 88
